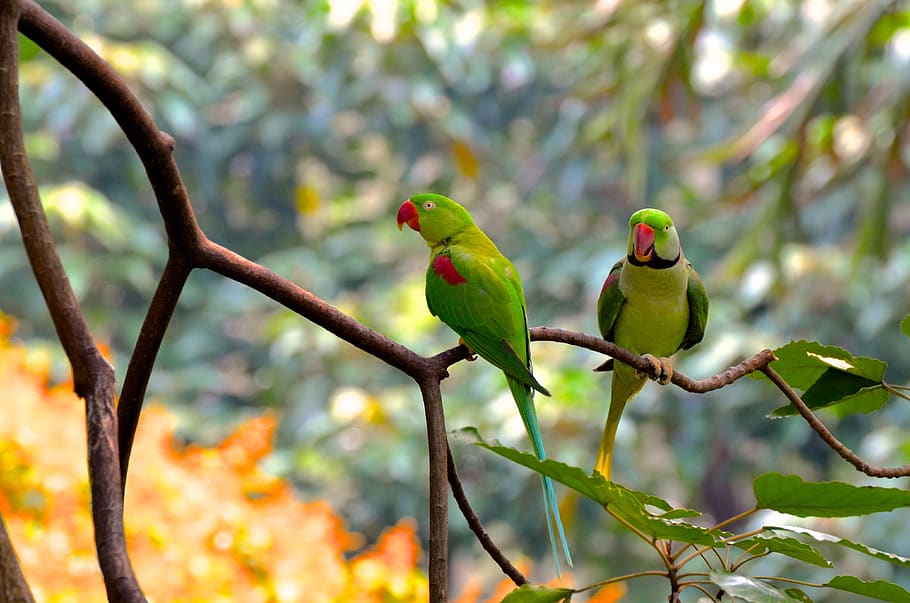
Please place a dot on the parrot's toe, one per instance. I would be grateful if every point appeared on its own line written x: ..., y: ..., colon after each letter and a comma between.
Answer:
x: 661, y: 367
x: 471, y: 355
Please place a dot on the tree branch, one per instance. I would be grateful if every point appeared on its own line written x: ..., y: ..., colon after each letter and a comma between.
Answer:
x: 828, y: 437
x: 139, y: 370
x: 153, y: 146
x: 476, y: 526
x: 93, y: 376
x: 437, y: 446
x: 13, y: 587
x: 698, y: 386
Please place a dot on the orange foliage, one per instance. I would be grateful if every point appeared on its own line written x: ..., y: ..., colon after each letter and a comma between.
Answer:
x: 203, y: 524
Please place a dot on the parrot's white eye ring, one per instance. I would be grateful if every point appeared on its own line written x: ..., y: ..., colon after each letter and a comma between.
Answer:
x: 429, y: 205
x: 667, y: 228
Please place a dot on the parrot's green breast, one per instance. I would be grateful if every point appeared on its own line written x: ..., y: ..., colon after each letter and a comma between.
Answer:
x: 655, y: 315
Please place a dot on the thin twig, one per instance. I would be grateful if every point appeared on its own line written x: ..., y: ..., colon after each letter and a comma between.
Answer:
x: 476, y: 526
x: 828, y: 437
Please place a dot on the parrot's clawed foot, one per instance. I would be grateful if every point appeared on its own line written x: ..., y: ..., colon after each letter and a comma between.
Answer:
x: 471, y: 355
x: 662, y: 367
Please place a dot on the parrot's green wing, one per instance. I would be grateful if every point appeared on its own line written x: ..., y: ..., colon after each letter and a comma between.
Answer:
x: 486, y: 308
x: 698, y: 309
x: 610, y: 302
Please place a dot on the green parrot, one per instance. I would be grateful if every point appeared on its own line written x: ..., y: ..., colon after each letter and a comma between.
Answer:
x: 477, y: 292
x: 652, y: 303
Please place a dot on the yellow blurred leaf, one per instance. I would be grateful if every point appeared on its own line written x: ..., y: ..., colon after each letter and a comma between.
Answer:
x: 307, y: 199
x: 465, y: 159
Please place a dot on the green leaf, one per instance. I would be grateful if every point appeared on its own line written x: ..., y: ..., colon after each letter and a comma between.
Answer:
x: 830, y: 375
x: 790, y: 494
x: 798, y: 595
x: 750, y: 589
x: 905, y: 325
x: 27, y: 49
x: 802, y: 362
x: 538, y: 594
x: 876, y: 589
x: 629, y: 505
x: 856, y: 546
x: 791, y: 547
x: 837, y: 387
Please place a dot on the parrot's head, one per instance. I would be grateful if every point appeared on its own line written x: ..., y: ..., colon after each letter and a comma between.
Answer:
x: 653, y: 240
x: 435, y: 217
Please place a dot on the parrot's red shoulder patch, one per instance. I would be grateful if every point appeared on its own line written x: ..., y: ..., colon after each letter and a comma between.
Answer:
x: 611, y: 281
x: 444, y: 267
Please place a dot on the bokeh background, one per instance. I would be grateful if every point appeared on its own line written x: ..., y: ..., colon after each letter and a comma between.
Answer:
x: 774, y: 131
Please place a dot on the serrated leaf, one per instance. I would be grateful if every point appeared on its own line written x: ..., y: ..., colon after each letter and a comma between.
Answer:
x: 790, y: 494
x: 876, y: 589
x: 791, y: 547
x: 856, y: 546
x: 905, y: 325
x: 749, y: 589
x: 538, y: 594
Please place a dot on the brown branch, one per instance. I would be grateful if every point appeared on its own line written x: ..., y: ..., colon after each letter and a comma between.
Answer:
x: 476, y: 526
x: 828, y: 437
x: 759, y: 362
x: 154, y: 149
x: 236, y: 267
x: 698, y: 386
x: 142, y: 361
x: 13, y: 587
x: 93, y: 376
x: 437, y: 446
x: 153, y: 146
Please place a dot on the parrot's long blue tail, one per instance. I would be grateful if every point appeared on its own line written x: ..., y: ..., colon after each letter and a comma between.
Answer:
x: 524, y: 398
x: 549, y: 495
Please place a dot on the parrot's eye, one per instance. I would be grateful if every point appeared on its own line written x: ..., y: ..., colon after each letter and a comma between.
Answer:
x: 667, y: 228
x: 429, y: 205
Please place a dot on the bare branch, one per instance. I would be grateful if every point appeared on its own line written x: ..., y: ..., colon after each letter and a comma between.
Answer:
x: 93, y: 376
x: 13, y: 587
x: 437, y: 446
x: 236, y: 267
x: 142, y: 360
x: 699, y: 386
x: 153, y: 146
x: 477, y: 527
x: 828, y: 437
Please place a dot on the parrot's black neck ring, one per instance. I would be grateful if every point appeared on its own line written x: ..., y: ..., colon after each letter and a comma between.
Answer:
x: 655, y: 262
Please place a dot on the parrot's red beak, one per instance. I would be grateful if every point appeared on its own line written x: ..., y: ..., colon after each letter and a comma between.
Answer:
x: 407, y: 214
x: 642, y: 242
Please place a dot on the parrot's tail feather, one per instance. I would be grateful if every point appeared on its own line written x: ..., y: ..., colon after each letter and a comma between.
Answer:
x: 524, y: 398
x: 549, y: 494
x: 621, y: 391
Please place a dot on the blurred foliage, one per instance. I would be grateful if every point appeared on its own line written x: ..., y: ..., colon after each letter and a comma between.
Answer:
x: 258, y: 543
x: 204, y: 523
x: 774, y: 131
